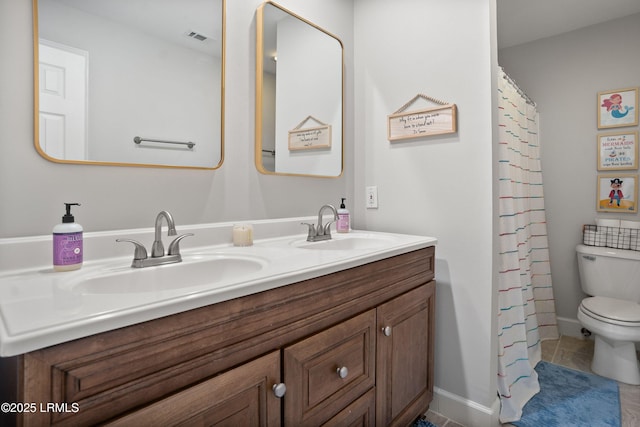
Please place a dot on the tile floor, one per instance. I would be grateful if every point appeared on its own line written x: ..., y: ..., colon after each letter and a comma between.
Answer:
x: 574, y: 353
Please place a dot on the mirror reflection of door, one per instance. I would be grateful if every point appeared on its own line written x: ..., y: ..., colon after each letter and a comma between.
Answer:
x: 63, y: 101
x: 154, y: 70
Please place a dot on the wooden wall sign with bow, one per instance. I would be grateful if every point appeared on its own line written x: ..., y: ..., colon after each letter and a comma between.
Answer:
x: 434, y: 120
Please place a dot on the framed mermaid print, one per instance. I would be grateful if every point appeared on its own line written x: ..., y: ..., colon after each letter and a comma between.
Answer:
x: 618, y: 108
x: 617, y: 193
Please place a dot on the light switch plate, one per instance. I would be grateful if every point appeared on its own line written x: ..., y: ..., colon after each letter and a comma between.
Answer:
x: 372, y: 197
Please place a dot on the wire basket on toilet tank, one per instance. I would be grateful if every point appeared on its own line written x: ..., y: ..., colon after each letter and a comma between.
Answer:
x: 611, y: 237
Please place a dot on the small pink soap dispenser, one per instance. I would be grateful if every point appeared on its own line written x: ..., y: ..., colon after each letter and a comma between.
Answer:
x: 344, y: 224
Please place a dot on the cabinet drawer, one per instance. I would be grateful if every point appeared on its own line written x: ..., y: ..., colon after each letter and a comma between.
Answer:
x: 329, y: 370
x: 242, y: 396
x: 360, y: 413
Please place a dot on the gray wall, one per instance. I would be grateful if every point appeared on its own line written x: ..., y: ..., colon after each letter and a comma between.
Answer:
x: 441, y: 185
x: 563, y: 75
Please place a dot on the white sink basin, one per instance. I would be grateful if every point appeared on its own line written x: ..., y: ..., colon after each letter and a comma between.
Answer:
x: 346, y: 242
x: 194, y: 270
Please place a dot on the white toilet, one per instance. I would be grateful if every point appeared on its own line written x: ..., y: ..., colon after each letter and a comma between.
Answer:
x: 612, y: 312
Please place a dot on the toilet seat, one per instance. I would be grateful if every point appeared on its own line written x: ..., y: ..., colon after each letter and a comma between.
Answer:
x: 611, y: 310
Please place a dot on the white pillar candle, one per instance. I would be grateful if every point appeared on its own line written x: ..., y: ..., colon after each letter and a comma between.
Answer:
x: 242, y: 235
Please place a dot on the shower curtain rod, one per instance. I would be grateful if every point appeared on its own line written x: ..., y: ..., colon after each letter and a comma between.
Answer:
x: 522, y: 93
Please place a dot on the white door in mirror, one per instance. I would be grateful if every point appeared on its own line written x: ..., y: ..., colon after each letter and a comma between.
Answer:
x: 63, y: 100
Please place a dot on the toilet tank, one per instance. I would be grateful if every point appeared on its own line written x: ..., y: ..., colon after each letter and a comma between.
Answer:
x: 613, y: 273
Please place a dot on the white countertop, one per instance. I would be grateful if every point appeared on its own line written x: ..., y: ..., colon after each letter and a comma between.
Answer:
x: 40, y: 307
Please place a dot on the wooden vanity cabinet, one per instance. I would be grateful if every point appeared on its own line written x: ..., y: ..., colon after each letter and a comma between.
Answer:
x: 217, y: 365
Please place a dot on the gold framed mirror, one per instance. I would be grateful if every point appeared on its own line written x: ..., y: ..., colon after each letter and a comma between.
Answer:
x: 130, y: 82
x: 299, y: 96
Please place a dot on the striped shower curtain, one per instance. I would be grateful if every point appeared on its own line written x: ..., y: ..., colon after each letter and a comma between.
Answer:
x: 526, y: 306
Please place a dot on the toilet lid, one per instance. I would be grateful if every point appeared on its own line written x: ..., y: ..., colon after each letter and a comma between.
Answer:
x: 617, y: 311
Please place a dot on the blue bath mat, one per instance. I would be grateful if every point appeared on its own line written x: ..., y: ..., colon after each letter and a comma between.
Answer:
x: 423, y: 423
x: 571, y: 398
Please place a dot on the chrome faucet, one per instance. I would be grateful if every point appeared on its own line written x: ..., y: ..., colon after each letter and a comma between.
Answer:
x: 321, y: 232
x: 157, y: 249
x: 140, y: 257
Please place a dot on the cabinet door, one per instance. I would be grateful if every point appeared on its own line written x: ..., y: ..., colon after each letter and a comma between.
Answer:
x: 405, y: 356
x: 329, y: 370
x: 240, y: 397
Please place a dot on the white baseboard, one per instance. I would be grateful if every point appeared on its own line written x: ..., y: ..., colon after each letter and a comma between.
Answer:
x: 569, y: 327
x: 572, y: 328
x: 464, y: 411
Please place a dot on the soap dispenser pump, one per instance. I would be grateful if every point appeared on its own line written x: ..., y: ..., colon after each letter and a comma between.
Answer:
x: 343, y: 225
x: 67, y: 243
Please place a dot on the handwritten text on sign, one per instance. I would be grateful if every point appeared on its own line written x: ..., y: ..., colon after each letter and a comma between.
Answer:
x: 305, y: 139
x: 416, y: 124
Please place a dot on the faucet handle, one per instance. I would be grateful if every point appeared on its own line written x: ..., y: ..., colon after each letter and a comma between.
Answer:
x: 140, y: 251
x: 327, y: 228
x: 174, y: 246
x: 312, y: 229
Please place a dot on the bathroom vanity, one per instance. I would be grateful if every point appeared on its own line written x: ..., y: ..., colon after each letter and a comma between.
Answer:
x: 347, y: 345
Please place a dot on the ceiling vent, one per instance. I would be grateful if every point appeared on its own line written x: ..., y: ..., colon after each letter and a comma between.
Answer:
x: 197, y: 36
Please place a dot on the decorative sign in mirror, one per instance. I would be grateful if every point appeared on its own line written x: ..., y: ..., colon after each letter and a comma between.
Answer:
x: 309, y: 138
x: 299, y: 96
x: 130, y: 82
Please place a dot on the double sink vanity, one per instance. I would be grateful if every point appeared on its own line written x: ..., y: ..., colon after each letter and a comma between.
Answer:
x: 287, y: 331
x: 283, y: 332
